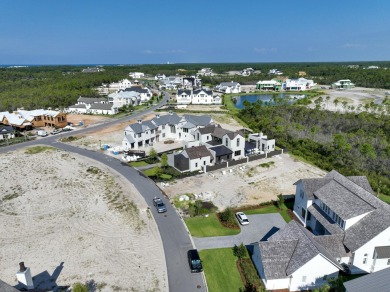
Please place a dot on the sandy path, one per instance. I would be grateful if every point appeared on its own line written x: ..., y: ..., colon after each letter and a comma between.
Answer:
x: 59, y: 207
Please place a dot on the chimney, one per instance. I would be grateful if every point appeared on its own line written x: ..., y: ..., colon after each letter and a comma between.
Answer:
x: 24, y: 277
x: 139, y: 121
x: 22, y: 268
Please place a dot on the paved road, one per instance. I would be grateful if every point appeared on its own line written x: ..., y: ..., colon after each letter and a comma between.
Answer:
x: 259, y: 227
x: 175, y: 238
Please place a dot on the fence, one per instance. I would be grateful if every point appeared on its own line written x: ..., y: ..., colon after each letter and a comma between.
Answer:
x: 217, y: 166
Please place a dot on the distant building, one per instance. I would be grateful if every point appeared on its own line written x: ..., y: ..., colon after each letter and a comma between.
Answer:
x: 229, y: 87
x: 273, y: 85
x: 299, y: 84
x: 92, y: 70
x: 342, y: 84
x: 92, y: 105
x: 6, y: 132
x: 137, y: 75
x: 275, y: 72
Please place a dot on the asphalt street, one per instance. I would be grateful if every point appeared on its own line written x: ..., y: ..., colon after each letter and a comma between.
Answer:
x: 260, y: 226
x: 175, y: 238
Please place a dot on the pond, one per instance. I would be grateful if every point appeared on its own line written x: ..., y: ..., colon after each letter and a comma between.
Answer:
x: 265, y: 98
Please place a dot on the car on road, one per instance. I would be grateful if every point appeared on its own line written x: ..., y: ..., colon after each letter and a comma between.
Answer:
x: 242, y: 218
x: 194, y: 261
x: 159, y: 204
x: 56, y: 131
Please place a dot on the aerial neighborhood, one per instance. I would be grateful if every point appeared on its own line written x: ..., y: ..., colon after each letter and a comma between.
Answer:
x: 168, y: 176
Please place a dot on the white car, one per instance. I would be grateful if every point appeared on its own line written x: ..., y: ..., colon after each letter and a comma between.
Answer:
x: 242, y: 218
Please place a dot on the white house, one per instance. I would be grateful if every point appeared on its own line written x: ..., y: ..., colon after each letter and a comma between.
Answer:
x: 92, y: 105
x: 6, y: 132
x: 299, y: 84
x: 348, y: 226
x: 121, y: 85
x: 275, y: 72
x: 191, y: 159
x: 184, y: 96
x: 229, y: 87
x: 171, y: 126
x: 136, y: 75
x: 293, y: 259
x: 197, y: 96
x: 119, y: 99
x: 262, y: 142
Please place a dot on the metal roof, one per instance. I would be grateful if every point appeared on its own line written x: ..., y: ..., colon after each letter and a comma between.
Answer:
x: 378, y: 281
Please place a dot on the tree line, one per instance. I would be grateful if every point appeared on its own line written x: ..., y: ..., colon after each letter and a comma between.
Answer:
x: 351, y: 143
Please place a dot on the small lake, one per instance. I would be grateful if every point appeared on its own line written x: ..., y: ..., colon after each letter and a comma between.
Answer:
x: 265, y: 98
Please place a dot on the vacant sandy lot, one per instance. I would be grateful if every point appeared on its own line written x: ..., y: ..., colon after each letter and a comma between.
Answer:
x: 246, y: 184
x: 57, y: 207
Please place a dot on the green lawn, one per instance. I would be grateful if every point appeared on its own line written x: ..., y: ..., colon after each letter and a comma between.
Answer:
x: 208, y: 226
x: 138, y: 163
x: 220, y: 269
x: 385, y: 198
x: 270, y: 209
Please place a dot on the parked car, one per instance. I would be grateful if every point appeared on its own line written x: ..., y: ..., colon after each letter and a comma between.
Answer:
x: 194, y: 261
x: 42, y: 133
x: 56, y: 131
x: 242, y: 218
x: 159, y: 204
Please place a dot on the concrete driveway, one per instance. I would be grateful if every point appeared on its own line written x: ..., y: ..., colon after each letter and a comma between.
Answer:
x: 260, y: 226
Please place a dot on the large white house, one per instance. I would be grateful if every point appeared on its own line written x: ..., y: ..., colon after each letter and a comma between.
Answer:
x: 197, y: 96
x: 229, y: 87
x: 92, y: 105
x: 171, y: 126
x: 299, y: 84
x: 349, y: 230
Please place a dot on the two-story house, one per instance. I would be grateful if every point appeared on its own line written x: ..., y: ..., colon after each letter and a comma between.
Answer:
x: 343, y: 222
x: 197, y: 96
x: 229, y: 87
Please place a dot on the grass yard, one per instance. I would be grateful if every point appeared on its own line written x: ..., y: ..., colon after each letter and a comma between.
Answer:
x: 138, y: 163
x: 385, y: 198
x: 220, y: 269
x: 208, y: 226
x: 271, y: 209
x: 38, y: 149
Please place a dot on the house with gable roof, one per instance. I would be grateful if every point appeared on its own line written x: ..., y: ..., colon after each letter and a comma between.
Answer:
x: 191, y: 159
x: 229, y: 87
x: 170, y: 126
x: 197, y: 96
x: 293, y: 259
x: 6, y: 132
x: 348, y: 224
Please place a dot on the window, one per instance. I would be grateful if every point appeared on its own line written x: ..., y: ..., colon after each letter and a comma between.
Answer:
x: 301, y: 194
x: 135, y: 135
x: 365, y: 261
x: 388, y: 262
x: 226, y: 142
x: 303, y: 279
x: 196, y: 164
x: 185, y: 130
x: 139, y: 135
x: 163, y: 127
x: 303, y: 213
x: 238, y: 142
x: 204, y: 162
x: 237, y: 153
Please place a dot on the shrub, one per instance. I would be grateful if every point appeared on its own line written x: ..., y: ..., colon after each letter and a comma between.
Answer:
x: 227, y: 218
x: 78, y: 287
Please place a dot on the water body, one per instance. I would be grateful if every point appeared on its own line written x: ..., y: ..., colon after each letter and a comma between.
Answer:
x: 265, y: 98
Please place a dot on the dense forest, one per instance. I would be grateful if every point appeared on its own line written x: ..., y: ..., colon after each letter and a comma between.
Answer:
x: 353, y: 144
x: 60, y: 86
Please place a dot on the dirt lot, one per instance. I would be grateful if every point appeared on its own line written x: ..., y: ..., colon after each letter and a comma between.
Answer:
x: 246, y: 184
x: 57, y: 207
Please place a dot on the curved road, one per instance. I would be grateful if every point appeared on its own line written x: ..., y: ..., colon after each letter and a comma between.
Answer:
x: 175, y: 238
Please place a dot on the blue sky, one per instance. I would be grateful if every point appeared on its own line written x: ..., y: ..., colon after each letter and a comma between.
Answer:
x: 157, y: 31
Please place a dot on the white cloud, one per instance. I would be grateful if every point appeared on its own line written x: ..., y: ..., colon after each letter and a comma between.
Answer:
x: 265, y: 50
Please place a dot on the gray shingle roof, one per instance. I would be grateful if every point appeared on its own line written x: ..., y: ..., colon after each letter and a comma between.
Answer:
x: 221, y: 150
x: 169, y: 119
x: 207, y: 129
x: 137, y: 89
x: 6, y: 129
x: 198, y: 120
x: 325, y: 220
x: 181, y: 91
x: 208, y: 92
x: 4, y: 287
x: 383, y: 252
x: 293, y: 237
x: 378, y: 281
x: 101, y: 106
x: 333, y: 244
x: 366, y: 229
x: 142, y: 127
x: 343, y: 199
x: 197, y: 152
x: 82, y: 105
